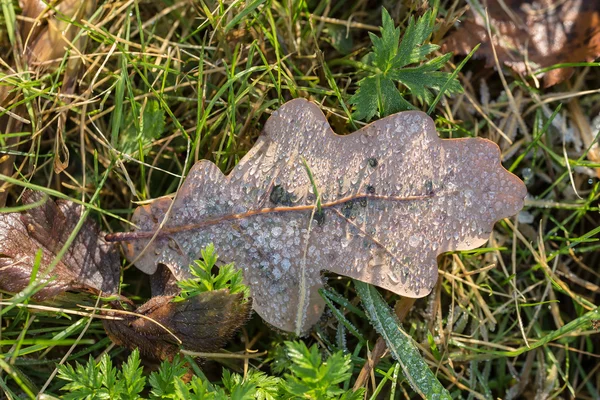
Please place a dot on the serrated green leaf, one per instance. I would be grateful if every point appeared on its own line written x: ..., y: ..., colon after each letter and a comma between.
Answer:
x: 163, y: 380
x: 196, y: 389
x: 421, y: 79
x: 181, y: 389
x: 389, y: 62
x: 350, y: 395
x: 365, y: 99
x: 98, y: 381
x: 142, y: 128
x: 132, y: 375
x: 313, y: 378
x: 267, y: 387
x: 413, y: 48
x: 385, y: 47
x: 402, y: 347
x: 109, y: 376
x: 378, y: 96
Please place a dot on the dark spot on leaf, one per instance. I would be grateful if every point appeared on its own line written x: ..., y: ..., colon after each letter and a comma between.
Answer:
x: 372, y: 162
x: 319, y: 217
x: 280, y: 196
x: 348, y: 209
x: 428, y: 186
x: 370, y: 189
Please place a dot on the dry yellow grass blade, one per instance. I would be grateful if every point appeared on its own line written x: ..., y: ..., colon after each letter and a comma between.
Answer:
x: 48, y: 33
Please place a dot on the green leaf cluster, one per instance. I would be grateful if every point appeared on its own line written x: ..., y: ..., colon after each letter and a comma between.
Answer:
x: 102, y: 380
x: 311, y: 378
x: 308, y: 377
x: 204, y: 280
x: 403, y: 61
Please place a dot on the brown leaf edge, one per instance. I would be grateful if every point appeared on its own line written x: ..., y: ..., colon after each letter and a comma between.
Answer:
x: 158, y: 328
x: 89, y: 265
x: 582, y: 39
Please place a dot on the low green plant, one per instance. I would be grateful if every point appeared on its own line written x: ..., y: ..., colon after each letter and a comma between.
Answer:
x: 204, y: 280
x: 312, y: 378
x: 404, y: 62
x: 143, y: 125
x: 308, y: 376
x: 103, y: 381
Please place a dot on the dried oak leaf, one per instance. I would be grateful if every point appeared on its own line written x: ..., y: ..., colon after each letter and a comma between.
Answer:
x: 202, y: 323
x: 90, y: 264
x: 393, y: 196
x: 534, y: 34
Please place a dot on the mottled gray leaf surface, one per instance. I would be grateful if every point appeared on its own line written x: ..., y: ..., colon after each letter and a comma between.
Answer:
x: 393, y: 196
x: 90, y: 264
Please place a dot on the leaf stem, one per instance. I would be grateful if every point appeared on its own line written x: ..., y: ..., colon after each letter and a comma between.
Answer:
x: 165, y: 231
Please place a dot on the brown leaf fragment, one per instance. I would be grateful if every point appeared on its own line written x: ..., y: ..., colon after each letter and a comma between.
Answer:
x: 533, y: 34
x: 393, y: 196
x: 90, y: 264
x: 48, y: 31
x: 202, y: 323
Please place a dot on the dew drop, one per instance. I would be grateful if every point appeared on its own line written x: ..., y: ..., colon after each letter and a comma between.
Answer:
x: 527, y: 175
x: 392, y: 276
x: 414, y: 240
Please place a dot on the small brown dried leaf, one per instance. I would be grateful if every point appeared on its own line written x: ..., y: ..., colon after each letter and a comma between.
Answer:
x: 533, y: 34
x: 393, y: 197
x: 202, y: 323
x: 90, y: 264
x: 47, y: 31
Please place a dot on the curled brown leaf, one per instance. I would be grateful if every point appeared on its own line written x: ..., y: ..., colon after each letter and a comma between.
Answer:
x: 203, y: 323
x: 158, y: 328
x: 90, y: 263
x: 48, y: 32
x: 532, y: 34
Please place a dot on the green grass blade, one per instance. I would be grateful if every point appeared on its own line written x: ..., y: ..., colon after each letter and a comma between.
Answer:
x: 416, y: 370
x: 244, y: 13
x: 451, y: 78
